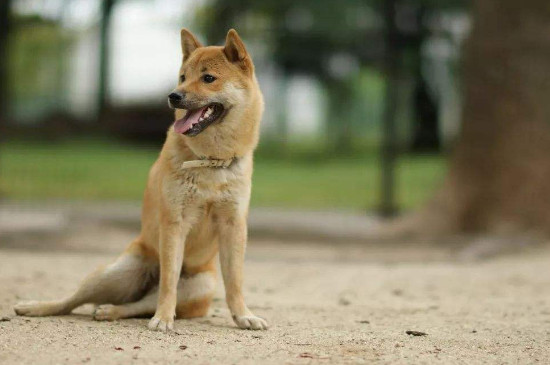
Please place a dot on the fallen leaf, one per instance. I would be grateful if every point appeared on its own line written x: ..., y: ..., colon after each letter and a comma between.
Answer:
x: 309, y: 355
x: 344, y: 301
x: 416, y: 333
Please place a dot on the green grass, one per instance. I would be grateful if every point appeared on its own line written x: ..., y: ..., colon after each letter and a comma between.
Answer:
x: 81, y: 170
x: 106, y: 170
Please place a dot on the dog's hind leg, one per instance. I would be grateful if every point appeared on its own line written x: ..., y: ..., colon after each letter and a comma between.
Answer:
x: 144, y: 307
x: 194, y: 296
x: 125, y: 280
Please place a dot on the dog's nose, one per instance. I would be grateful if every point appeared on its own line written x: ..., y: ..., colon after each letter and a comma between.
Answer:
x: 175, y: 97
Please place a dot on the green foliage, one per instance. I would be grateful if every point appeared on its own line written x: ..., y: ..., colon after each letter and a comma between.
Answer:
x: 37, y: 67
x: 304, y: 34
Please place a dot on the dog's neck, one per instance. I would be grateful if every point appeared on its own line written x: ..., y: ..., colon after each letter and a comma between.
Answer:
x: 218, y: 144
x: 178, y: 150
x: 208, y: 163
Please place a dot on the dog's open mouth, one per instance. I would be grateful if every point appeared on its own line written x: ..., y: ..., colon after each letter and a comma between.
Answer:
x: 197, y: 120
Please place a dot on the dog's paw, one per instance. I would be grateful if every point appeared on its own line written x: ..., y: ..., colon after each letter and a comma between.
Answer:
x: 30, y: 308
x: 106, y: 312
x: 36, y: 309
x: 161, y: 324
x: 250, y: 322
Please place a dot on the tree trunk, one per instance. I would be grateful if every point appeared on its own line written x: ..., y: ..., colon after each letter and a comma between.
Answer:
x: 104, y: 39
x: 425, y: 133
x: 4, y: 60
x: 500, y: 174
x: 426, y: 119
x: 499, y: 177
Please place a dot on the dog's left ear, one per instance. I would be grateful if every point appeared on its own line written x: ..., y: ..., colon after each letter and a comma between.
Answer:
x: 188, y: 43
x: 235, y: 51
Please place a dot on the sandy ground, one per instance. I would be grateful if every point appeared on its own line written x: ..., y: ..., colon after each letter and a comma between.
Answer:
x: 325, y: 304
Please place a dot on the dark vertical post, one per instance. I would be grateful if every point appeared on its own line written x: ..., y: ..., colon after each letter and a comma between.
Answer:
x: 103, y: 93
x: 4, y: 60
x: 426, y: 109
x: 388, y: 151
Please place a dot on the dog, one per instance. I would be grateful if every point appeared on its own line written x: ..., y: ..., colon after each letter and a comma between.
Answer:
x: 195, y: 203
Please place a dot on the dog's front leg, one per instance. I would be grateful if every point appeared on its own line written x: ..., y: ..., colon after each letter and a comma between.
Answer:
x: 233, y: 236
x: 173, y: 232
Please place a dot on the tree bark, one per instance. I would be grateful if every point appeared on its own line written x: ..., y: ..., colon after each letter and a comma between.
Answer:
x: 499, y: 176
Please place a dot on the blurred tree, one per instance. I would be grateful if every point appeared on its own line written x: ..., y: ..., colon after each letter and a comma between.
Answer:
x: 426, y: 122
x: 387, y: 206
x: 104, y: 37
x: 304, y: 40
x: 499, y: 178
x: 331, y: 40
x: 425, y: 134
x: 4, y: 30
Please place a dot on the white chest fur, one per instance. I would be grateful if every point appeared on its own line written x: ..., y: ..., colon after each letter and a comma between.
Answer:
x: 211, y: 184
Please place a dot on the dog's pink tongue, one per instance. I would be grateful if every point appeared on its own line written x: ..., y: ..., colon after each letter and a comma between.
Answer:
x: 184, y: 124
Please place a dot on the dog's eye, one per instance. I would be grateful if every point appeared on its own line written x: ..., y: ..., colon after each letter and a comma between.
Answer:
x: 182, y: 78
x: 208, y: 78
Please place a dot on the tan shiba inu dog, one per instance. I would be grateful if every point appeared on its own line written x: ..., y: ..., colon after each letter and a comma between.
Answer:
x: 195, y: 203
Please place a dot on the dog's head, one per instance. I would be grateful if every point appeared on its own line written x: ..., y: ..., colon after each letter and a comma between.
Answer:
x: 217, y: 91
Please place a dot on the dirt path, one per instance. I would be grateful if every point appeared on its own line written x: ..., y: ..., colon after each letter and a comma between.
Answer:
x: 325, y: 304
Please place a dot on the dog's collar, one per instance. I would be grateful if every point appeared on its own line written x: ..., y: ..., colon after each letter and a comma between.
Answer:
x: 207, y: 163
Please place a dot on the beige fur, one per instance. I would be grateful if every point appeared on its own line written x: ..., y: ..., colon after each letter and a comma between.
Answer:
x: 189, y: 215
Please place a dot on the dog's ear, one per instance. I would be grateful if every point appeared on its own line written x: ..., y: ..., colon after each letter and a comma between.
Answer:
x: 235, y: 50
x: 188, y: 43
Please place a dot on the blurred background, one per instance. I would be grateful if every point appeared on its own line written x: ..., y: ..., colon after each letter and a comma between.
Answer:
x: 85, y: 83
x: 365, y: 102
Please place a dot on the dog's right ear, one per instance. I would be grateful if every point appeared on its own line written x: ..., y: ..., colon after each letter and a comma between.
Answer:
x: 188, y: 43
